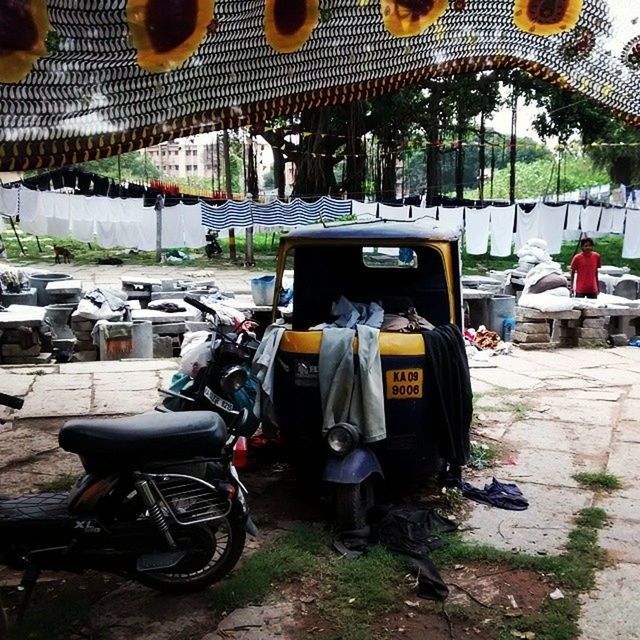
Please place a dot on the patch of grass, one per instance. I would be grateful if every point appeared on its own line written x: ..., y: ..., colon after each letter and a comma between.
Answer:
x: 361, y: 590
x: 295, y: 554
x: 574, y: 570
x: 598, y: 480
x: 483, y: 455
x: 519, y: 409
x: 58, y: 485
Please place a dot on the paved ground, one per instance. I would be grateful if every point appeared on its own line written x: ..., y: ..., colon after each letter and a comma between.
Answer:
x: 554, y: 413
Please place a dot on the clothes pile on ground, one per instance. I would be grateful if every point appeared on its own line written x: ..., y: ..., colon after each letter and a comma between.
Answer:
x: 482, y: 343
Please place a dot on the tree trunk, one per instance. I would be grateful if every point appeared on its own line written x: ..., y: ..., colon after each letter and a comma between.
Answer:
x: 482, y: 161
x: 227, y: 174
x: 434, y: 182
x: 356, y: 153
x: 252, y: 189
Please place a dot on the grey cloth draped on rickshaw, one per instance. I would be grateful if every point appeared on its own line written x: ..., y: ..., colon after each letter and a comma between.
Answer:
x: 351, y: 394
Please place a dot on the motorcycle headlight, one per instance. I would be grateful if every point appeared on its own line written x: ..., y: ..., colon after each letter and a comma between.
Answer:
x: 342, y: 438
x: 233, y: 379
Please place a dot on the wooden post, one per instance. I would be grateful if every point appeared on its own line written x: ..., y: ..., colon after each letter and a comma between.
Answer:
x: 159, y: 206
x: 13, y: 226
x: 233, y: 255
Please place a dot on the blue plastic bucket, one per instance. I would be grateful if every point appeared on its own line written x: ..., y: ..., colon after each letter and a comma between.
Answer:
x: 263, y: 290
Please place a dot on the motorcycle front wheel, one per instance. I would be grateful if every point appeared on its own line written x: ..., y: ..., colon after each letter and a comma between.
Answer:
x: 214, y: 549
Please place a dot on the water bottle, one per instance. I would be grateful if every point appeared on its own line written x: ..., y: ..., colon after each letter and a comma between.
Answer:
x: 508, y: 327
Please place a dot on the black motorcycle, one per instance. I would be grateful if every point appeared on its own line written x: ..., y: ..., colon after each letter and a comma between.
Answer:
x: 225, y: 385
x: 212, y: 247
x: 160, y: 503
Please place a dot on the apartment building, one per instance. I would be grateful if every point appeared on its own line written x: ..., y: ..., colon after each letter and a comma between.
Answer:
x: 184, y: 159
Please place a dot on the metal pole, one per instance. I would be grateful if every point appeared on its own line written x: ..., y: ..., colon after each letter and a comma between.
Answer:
x: 227, y: 174
x: 159, y: 206
x: 513, y: 148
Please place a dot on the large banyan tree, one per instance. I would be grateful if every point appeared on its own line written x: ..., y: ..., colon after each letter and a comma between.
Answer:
x: 85, y: 79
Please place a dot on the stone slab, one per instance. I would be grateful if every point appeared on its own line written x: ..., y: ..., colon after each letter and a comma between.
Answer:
x: 504, y: 379
x: 612, y: 610
x: 533, y: 327
x: 18, y: 315
x: 64, y: 402
x: 57, y: 381
x: 535, y: 314
x: 621, y: 507
x: 108, y: 401
x: 596, y: 313
x: 544, y: 435
x: 172, y: 328
x: 530, y: 531
x: 613, y: 376
x: 530, y: 338
x: 622, y: 540
x: 119, y: 366
x: 635, y: 391
x: 64, y: 287
x: 15, y: 384
x: 576, y: 410
x: 627, y: 431
x: 24, y: 298
x: 155, y: 316
x: 140, y: 280
x: 623, y: 462
x: 630, y: 409
x: 14, y: 350
x: 143, y: 380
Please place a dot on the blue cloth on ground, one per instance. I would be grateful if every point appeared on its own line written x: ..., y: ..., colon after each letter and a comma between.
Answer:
x: 497, y: 494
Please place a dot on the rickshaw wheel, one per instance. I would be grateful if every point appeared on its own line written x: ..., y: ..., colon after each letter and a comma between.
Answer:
x: 353, y: 502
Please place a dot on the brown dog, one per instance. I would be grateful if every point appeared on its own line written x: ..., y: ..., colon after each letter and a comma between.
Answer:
x: 63, y: 252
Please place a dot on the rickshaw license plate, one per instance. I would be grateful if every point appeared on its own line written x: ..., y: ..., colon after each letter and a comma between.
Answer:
x: 217, y: 401
x: 404, y: 384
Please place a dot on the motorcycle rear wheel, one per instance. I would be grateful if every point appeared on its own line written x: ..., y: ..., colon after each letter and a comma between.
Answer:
x: 221, y: 553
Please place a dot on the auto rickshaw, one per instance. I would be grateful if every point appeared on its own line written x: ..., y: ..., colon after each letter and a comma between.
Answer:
x: 400, y: 266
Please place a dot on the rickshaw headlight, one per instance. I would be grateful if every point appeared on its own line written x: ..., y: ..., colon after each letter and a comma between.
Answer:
x: 342, y: 438
x: 233, y: 379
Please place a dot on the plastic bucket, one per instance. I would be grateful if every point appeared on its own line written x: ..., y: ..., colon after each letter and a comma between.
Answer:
x: 263, y: 290
x: 40, y: 281
x: 501, y: 307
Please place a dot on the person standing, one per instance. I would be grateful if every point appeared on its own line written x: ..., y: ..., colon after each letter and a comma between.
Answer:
x: 584, y: 271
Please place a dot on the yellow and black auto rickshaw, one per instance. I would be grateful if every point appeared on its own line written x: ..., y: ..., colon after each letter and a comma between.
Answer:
x: 408, y: 274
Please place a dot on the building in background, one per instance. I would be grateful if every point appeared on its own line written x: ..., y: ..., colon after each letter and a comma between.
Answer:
x: 185, y: 158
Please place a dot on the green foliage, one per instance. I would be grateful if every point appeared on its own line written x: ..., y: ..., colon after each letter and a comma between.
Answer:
x: 482, y: 455
x: 295, y: 554
x: 133, y: 166
x: 598, y: 480
x: 58, y: 484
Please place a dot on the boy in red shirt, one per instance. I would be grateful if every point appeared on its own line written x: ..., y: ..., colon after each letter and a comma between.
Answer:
x: 584, y: 271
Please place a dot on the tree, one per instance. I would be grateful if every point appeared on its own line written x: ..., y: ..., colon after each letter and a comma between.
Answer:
x: 134, y: 166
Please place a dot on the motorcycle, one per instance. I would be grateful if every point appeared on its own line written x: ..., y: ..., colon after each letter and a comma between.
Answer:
x: 225, y: 384
x: 160, y: 503
x: 212, y: 247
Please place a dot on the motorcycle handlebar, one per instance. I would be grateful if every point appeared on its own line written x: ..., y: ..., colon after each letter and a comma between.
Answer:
x: 200, y: 306
x: 11, y: 401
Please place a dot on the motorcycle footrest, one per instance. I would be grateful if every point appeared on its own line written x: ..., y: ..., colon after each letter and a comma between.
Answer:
x: 159, y: 561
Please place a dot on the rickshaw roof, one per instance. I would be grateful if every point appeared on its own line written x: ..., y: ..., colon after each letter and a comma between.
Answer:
x: 380, y: 230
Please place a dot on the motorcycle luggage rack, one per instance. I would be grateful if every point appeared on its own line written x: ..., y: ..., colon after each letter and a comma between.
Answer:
x: 189, y: 500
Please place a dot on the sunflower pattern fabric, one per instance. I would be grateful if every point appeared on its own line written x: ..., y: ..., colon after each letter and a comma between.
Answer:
x: 84, y: 79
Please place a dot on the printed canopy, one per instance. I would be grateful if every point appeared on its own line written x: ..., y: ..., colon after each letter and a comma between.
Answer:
x: 83, y: 79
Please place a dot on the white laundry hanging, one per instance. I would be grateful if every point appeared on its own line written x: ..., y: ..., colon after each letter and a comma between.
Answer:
x: 572, y: 228
x: 451, y: 218
x: 631, y: 245
x: 551, y: 225
x: 606, y: 221
x: 28, y: 210
x: 82, y: 223
x: 194, y: 232
x: 9, y: 202
x: 476, y: 230
x: 527, y: 226
x: 387, y: 212
x: 424, y: 215
x: 501, y: 220
x: 55, y: 208
x: 589, y: 218
x: 147, y: 229
x: 364, y: 210
x: 172, y: 228
x: 617, y: 222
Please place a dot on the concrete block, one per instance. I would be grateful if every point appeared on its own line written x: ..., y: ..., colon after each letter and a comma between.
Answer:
x: 525, y: 313
x: 169, y: 328
x: 85, y: 345
x: 171, y: 294
x: 591, y: 343
x: 530, y: 338
x: 594, y: 323
x: 573, y: 323
x: 16, y: 350
x: 78, y: 324
x: 85, y: 356
x: 536, y: 346
x: 162, y: 347
x: 43, y: 358
x: 620, y: 339
x: 533, y: 327
x: 591, y: 334
x: 26, y: 298
x: 82, y: 336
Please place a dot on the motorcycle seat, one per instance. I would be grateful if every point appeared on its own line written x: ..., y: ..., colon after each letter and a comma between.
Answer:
x: 152, y: 436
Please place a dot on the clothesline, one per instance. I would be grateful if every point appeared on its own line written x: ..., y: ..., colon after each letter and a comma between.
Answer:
x: 116, y: 222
